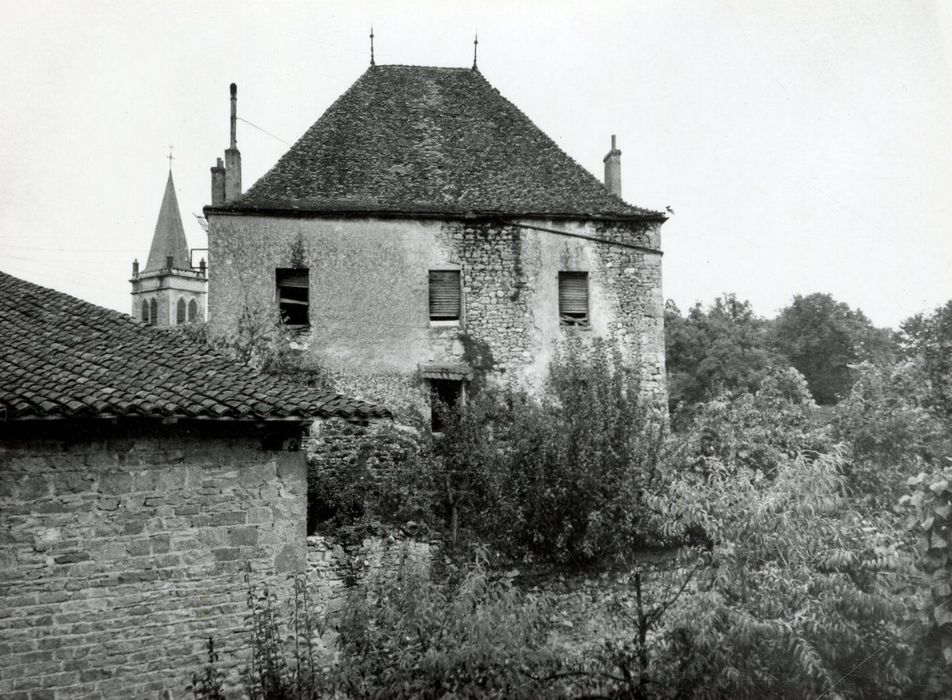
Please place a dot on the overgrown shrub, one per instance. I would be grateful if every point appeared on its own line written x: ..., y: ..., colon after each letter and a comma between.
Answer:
x: 931, y: 523
x: 554, y: 477
x: 888, y: 425
x: 282, y: 664
x: 208, y: 685
x: 370, y: 480
x: 798, y: 589
x: 413, y: 637
x: 758, y: 430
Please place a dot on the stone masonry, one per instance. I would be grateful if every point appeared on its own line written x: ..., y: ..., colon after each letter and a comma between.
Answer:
x: 369, y: 329
x: 120, y: 554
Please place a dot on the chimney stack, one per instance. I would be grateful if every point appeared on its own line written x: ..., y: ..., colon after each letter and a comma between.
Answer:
x: 201, y: 267
x: 233, y: 155
x: 613, y: 170
x: 218, y: 183
x: 135, y: 267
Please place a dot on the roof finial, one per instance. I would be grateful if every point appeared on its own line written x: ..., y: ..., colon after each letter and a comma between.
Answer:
x: 372, y: 45
x: 170, y: 157
x: 475, y: 46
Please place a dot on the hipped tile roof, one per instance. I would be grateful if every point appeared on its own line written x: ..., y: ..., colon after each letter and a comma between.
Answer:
x: 63, y: 358
x: 424, y: 140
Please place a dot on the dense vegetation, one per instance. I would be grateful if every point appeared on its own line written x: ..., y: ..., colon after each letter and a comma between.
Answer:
x: 807, y: 549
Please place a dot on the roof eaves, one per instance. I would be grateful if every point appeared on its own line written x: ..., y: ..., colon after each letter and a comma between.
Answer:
x: 317, y: 212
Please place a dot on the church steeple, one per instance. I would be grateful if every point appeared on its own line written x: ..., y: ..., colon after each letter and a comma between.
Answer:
x: 168, y: 291
x: 169, y: 237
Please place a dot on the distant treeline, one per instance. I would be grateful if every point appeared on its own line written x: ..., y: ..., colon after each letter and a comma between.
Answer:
x: 726, y: 347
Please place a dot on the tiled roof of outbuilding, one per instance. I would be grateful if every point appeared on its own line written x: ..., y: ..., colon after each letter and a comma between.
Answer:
x: 415, y: 139
x: 63, y: 357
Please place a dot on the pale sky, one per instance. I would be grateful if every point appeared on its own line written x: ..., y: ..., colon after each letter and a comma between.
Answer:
x: 804, y: 146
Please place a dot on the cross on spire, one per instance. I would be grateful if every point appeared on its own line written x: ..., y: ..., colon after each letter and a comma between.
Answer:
x: 170, y: 157
x: 475, y: 46
x: 372, y: 45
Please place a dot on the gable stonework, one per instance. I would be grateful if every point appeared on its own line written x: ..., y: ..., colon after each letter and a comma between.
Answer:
x: 123, y: 551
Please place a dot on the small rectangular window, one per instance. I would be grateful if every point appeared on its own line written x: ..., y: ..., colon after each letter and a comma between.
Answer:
x: 445, y: 294
x: 573, y: 298
x: 445, y: 396
x: 293, y: 296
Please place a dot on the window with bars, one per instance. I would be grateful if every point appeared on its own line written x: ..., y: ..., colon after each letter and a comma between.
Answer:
x: 445, y: 295
x: 293, y: 291
x: 573, y: 298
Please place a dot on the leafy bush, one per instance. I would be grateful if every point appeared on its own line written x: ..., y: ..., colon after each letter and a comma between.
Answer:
x: 760, y: 430
x: 281, y: 665
x: 798, y: 589
x: 890, y: 430
x: 415, y: 638
x: 556, y: 477
x: 559, y: 477
x: 208, y: 685
x: 931, y: 522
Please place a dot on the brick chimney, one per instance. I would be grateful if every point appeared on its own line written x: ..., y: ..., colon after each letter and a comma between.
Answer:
x: 218, y: 183
x: 232, y: 154
x: 613, y: 170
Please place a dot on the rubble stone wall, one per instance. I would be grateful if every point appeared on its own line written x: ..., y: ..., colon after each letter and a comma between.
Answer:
x: 121, y: 555
x: 369, y: 323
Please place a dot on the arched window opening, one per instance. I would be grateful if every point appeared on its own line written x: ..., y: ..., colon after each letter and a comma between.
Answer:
x: 145, y: 311
x: 153, y: 313
x: 180, y: 311
x: 192, y: 311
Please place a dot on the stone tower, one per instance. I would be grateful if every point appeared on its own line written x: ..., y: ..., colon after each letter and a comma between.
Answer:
x: 169, y: 291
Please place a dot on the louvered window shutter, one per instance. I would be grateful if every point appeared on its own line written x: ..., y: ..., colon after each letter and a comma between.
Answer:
x: 444, y: 295
x: 293, y: 295
x: 573, y: 297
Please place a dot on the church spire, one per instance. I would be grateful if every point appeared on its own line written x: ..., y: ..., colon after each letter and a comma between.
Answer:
x: 168, y: 241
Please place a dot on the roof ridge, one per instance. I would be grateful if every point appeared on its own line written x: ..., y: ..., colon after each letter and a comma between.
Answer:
x: 468, y: 69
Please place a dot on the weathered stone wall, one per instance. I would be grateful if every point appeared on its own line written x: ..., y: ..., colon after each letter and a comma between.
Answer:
x: 369, y: 294
x: 333, y: 569
x: 121, y: 553
x: 334, y: 572
x: 344, y: 457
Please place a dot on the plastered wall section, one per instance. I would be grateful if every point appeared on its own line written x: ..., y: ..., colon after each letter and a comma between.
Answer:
x: 119, y: 558
x: 369, y: 294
